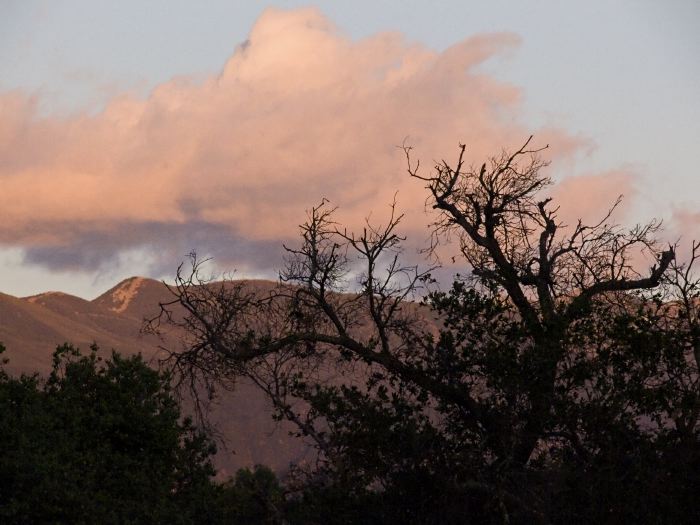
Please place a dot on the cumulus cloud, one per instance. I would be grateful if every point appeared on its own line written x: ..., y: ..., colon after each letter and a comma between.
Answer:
x: 227, y: 165
x: 683, y: 227
x: 590, y: 197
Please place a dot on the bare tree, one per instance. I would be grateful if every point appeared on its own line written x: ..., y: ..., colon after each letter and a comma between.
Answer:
x: 512, y: 240
x: 511, y: 237
x: 343, y: 329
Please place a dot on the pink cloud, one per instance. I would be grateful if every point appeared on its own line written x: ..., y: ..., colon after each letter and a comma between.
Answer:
x: 684, y: 226
x: 590, y: 197
x: 299, y: 112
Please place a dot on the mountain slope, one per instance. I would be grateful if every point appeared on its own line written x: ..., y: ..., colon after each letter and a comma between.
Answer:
x: 32, y: 327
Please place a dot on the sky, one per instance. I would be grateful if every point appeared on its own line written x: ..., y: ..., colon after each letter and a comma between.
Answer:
x: 134, y: 132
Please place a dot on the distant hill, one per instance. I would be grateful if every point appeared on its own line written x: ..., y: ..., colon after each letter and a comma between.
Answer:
x: 32, y: 327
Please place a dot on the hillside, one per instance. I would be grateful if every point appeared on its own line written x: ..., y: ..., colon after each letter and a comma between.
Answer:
x: 32, y: 327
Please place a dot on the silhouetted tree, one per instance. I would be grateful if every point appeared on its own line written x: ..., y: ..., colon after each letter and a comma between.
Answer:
x: 100, y: 442
x: 554, y: 383
x: 252, y: 496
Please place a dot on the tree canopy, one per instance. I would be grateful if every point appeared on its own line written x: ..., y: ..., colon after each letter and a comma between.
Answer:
x: 103, y: 441
x: 555, y: 382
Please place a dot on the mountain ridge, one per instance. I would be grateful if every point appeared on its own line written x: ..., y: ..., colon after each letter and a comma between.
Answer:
x: 32, y: 327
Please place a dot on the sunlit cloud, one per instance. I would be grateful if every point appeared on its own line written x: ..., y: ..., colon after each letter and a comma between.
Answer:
x: 227, y: 165
x: 591, y: 197
x: 684, y: 225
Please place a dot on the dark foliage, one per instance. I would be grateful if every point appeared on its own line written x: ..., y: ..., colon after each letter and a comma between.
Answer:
x: 556, y: 384
x: 104, y: 442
